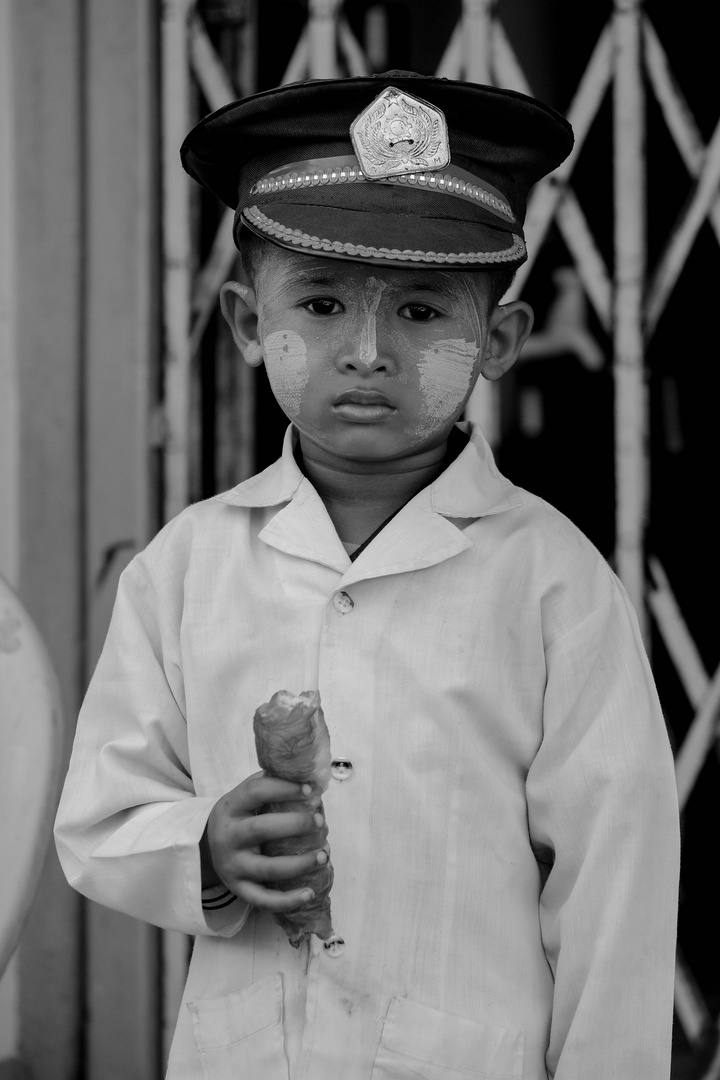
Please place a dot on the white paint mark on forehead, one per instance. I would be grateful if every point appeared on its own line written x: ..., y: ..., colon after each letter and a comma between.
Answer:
x: 286, y: 363
x: 371, y: 297
x: 445, y: 375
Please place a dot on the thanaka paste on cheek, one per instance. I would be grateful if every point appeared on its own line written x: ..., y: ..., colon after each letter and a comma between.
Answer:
x: 446, y: 370
x: 371, y: 297
x: 287, y: 367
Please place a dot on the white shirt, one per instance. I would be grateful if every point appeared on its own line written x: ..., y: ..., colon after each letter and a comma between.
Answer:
x: 480, y: 666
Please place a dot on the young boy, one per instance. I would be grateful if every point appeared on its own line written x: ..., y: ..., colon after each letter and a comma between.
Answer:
x: 502, y: 817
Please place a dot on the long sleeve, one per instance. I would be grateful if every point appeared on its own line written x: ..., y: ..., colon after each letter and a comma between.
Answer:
x: 129, y: 821
x: 603, y: 810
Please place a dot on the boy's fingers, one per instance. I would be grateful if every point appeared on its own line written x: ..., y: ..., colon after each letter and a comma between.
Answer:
x: 259, y: 868
x: 272, y: 899
x: 253, y: 831
x: 258, y: 791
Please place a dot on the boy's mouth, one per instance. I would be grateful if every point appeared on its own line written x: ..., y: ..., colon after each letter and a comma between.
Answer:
x: 365, y: 406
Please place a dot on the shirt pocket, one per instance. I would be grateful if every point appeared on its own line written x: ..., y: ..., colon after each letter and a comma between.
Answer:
x: 241, y: 1034
x: 419, y: 1043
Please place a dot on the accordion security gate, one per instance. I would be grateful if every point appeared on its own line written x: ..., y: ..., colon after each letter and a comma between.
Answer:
x: 628, y: 61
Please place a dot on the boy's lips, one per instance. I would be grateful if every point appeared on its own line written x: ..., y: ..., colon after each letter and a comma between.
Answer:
x: 361, y: 397
x: 365, y: 406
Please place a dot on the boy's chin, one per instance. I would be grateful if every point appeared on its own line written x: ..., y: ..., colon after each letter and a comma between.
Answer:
x: 370, y: 444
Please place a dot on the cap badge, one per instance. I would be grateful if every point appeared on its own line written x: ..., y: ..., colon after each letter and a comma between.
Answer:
x: 399, y: 134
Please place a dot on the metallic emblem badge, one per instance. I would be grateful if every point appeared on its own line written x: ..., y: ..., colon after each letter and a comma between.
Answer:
x: 399, y: 134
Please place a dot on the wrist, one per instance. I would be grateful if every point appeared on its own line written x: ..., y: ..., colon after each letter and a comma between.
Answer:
x: 208, y: 875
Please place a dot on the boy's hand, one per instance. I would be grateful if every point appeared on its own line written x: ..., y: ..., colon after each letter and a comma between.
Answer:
x: 231, y: 845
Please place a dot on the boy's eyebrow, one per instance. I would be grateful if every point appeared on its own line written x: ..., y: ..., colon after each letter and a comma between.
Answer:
x: 445, y: 284
x: 314, y: 275
x: 422, y: 284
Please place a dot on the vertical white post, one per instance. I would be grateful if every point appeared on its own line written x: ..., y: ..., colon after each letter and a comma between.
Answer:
x: 175, y: 953
x: 9, y: 406
x: 322, y: 31
x: 631, y: 413
x: 120, y: 159
x: 177, y: 269
x: 484, y: 405
x: 376, y: 37
x: 176, y: 253
x: 246, y: 72
x: 41, y: 72
x: 246, y: 76
x: 477, y: 40
x: 9, y: 429
x: 10, y: 1011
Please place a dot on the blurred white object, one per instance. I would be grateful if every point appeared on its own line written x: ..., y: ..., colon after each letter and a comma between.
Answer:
x: 565, y: 330
x: 31, y: 739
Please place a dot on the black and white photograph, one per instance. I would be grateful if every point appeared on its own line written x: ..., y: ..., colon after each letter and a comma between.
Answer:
x: 359, y: 671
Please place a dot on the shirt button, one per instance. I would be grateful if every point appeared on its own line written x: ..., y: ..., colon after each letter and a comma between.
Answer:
x: 343, y: 603
x: 334, y: 946
x: 341, y: 769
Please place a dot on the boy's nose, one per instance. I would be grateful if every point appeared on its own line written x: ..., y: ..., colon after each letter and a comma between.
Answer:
x: 364, y: 357
x: 368, y: 348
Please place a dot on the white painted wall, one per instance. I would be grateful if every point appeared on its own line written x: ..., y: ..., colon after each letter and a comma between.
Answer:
x: 77, y: 338
x: 9, y: 478
x: 8, y: 344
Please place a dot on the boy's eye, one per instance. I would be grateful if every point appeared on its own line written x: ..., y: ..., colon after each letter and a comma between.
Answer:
x: 418, y: 312
x: 324, y: 305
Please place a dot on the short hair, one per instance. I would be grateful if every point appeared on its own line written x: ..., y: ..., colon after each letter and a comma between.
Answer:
x: 254, y: 249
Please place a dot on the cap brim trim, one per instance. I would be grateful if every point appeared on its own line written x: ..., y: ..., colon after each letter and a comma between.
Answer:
x: 320, y: 172
x: 296, y: 239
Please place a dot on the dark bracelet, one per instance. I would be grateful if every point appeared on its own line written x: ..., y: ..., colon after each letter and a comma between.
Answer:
x: 220, y: 901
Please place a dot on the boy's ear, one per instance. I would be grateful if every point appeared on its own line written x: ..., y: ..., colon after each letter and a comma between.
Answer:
x: 509, y: 327
x: 239, y: 306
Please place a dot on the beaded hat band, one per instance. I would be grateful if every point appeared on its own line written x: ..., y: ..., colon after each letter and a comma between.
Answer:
x: 295, y: 238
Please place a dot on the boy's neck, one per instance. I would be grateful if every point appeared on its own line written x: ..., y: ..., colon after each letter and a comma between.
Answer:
x: 360, y: 496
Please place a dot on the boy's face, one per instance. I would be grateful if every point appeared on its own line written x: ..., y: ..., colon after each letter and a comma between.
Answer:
x: 369, y: 363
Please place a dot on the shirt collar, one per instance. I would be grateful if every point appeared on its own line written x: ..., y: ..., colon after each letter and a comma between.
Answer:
x: 470, y: 487
x: 279, y: 483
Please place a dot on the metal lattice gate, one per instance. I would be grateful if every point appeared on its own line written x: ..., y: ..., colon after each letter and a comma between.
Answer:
x: 210, y: 56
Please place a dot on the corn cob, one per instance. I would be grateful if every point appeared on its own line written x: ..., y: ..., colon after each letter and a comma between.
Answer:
x: 293, y: 743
